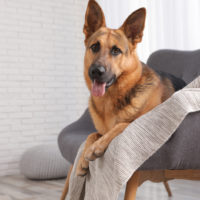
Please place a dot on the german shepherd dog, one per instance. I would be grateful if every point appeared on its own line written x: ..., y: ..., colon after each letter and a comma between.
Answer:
x: 122, y: 88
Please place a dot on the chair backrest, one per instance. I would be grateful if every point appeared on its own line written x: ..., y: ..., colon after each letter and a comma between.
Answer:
x: 183, y: 64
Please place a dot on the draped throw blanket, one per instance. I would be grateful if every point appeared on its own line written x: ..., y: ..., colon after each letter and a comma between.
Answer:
x: 127, y: 152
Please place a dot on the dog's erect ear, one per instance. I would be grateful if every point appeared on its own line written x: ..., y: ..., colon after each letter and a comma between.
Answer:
x: 94, y: 19
x: 134, y: 25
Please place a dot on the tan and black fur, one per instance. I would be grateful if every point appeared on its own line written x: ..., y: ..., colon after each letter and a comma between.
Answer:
x: 135, y: 88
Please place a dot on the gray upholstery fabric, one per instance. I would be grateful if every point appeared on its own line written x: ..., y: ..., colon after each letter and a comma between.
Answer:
x: 44, y: 162
x: 183, y: 64
x: 73, y: 135
x: 182, y: 150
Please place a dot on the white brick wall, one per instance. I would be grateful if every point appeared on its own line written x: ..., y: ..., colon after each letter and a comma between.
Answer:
x: 41, y: 66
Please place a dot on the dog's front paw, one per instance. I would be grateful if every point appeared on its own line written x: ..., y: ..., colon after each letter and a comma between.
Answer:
x: 82, y: 167
x: 96, y: 150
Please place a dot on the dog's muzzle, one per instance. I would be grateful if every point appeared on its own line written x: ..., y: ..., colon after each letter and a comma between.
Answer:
x: 101, y: 79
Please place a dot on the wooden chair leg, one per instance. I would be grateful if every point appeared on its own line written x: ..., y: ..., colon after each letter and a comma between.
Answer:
x: 131, y: 187
x: 167, y: 188
x: 66, y: 187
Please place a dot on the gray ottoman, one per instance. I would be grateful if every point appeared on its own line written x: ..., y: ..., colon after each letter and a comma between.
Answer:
x: 44, y: 162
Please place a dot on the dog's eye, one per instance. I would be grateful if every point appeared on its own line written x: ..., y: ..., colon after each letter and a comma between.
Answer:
x: 95, y: 47
x: 115, y: 51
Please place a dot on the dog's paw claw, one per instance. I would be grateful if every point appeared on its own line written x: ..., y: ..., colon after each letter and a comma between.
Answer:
x: 89, y: 155
x: 85, y: 165
x: 95, y: 151
x: 81, y: 173
x: 82, y: 168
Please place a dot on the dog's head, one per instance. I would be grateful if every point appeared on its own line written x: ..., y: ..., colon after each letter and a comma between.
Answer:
x: 109, y: 52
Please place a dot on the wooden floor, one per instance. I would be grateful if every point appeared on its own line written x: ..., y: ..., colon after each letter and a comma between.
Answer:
x: 19, y: 188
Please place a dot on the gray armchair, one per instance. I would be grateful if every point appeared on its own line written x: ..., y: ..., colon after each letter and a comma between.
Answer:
x: 180, y: 152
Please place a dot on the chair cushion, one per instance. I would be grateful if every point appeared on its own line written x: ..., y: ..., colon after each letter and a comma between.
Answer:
x: 44, y: 162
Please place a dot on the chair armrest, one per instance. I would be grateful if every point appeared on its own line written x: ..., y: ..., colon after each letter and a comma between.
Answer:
x: 71, y: 137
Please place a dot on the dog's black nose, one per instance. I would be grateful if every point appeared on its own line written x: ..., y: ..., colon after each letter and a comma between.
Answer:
x: 96, y: 71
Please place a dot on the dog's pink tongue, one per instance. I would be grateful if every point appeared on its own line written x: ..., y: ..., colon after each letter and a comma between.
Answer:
x: 98, y: 89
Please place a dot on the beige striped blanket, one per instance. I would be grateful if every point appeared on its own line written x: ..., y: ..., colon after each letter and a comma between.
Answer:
x: 127, y: 152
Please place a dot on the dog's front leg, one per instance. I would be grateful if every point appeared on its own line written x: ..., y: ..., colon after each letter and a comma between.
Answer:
x: 82, y: 166
x: 98, y: 148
